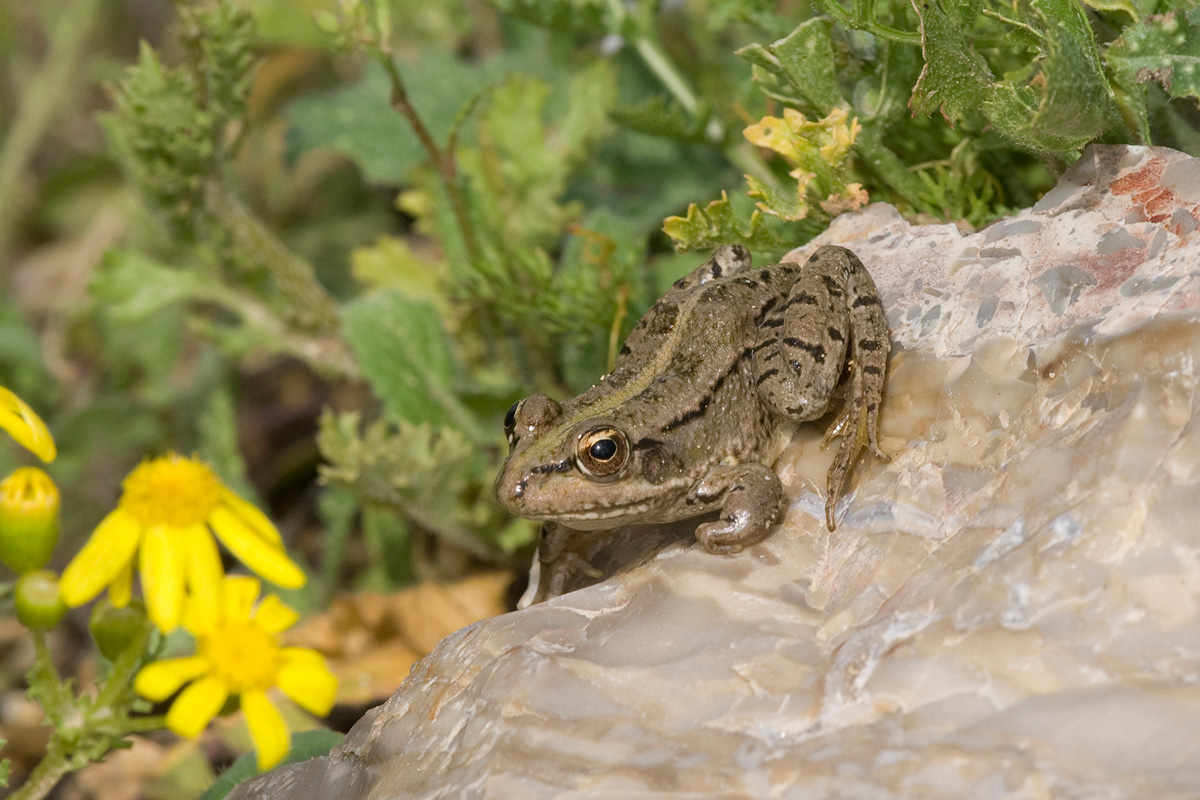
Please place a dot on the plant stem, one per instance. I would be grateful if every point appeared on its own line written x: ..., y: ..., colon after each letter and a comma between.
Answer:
x: 39, y: 102
x: 42, y: 654
x: 645, y: 43
x: 443, y: 160
x: 308, y: 301
x: 97, y: 720
x: 46, y: 775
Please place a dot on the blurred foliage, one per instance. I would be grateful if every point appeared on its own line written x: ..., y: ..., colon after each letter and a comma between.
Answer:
x: 434, y: 209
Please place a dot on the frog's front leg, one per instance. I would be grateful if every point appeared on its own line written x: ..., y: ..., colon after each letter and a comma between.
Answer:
x: 752, y: 497
x: 558, y: 562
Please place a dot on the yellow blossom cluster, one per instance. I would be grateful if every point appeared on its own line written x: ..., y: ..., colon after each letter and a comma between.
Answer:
x: 171, y: 514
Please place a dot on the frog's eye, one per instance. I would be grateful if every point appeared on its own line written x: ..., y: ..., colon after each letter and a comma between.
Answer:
x: 510, y: 423
x: 602, y: 452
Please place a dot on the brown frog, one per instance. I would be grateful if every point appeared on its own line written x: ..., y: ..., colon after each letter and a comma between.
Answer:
x: 684, y: 423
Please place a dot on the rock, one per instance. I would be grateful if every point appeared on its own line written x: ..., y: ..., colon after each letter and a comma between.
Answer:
x: 1008, y: 609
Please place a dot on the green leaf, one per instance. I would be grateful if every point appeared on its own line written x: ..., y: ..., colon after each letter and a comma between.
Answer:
x: 405, y: 355
x: 804, y: 59
x: 955, y: 78
x: 391, y: 263
x: 217, y: 427
x: 436, y: 477
x: 578, y: 16
x: 132, y: 286
x: 388, y: 539
x: 788, y: 205
x: 659, y: 116
x: 305, y: 745
x: 1077, y: 103
x: 1165, y: 49
x: 717, y: 224
x: 359, y: 121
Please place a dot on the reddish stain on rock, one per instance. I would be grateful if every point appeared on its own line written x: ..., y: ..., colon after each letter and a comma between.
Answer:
x: 1144, y: 187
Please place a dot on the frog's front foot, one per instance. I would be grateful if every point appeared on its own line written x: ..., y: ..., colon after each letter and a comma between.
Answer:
x: 753, y: 497
x: 559, y: 564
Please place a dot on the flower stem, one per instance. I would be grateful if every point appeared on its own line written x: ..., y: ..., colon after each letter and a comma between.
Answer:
x: 46, y: 775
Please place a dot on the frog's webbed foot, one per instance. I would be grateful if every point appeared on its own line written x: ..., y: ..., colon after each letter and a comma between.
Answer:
x: 559, y: 564
x: 753, y: 496
x: 858, y: 425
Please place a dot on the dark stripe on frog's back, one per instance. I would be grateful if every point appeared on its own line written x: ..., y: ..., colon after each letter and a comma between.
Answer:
x: 659, y: 334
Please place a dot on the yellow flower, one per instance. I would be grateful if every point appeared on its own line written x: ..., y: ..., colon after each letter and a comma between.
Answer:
x: 28, y: 519
x: 238, y: 653
x: 25, y: 426
x: 165, y: 520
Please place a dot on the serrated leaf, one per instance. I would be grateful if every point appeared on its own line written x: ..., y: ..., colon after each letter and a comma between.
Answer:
x: 1164, y: 49
x: 1077, y: 103
x: 955, y: 78
x: 790, y: 206
x: 717, y: 224
x: 659, y: 116
x: 804, y: 59
x: 406, y: 357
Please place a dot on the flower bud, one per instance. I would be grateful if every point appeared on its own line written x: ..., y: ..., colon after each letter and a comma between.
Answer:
x: 114, y: 629
x: 28, y: 519
x: 37, y: 600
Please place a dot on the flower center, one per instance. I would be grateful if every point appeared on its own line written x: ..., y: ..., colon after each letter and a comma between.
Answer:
x: 244, y: 655
x: 174, y: 491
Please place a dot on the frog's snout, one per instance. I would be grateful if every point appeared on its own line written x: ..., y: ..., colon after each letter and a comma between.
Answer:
x: 509, y: 490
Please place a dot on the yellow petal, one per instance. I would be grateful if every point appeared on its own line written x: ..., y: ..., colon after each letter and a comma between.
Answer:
x: 267, y: 729
x: 203, y: 578
x: 99, y: 563
x: 307, y: 681
x: 273, y: 616
x: 162, y: 570
x: 161, y: 679
x: 253, y: 518
x: 238, y: 596
x: 267, y: 559
x: 26, y: 426
x: 121, y: 590
x: 196, y: 706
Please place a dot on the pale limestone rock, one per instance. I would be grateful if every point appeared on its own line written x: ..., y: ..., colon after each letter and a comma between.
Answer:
x: 1008, y: 609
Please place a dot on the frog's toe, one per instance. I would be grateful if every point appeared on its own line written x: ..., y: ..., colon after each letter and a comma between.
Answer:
x: 724, y: 537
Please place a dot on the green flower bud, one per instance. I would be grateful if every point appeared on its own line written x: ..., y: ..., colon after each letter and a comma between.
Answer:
x: 114, y: 629
x: 38, y: 602
x: 28, y: 519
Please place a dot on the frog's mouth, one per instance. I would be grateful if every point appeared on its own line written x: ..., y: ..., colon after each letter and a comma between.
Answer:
x: 603, y: 517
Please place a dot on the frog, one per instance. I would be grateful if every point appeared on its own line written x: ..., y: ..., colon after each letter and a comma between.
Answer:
x: 687, y: 422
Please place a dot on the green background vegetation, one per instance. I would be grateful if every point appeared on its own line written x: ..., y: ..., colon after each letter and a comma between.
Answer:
x: 325, y: 246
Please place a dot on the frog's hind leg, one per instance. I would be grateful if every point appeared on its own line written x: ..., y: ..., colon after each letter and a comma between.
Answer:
x: 831, y: 322
x: 727, y: 260
x: 801, y: 347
